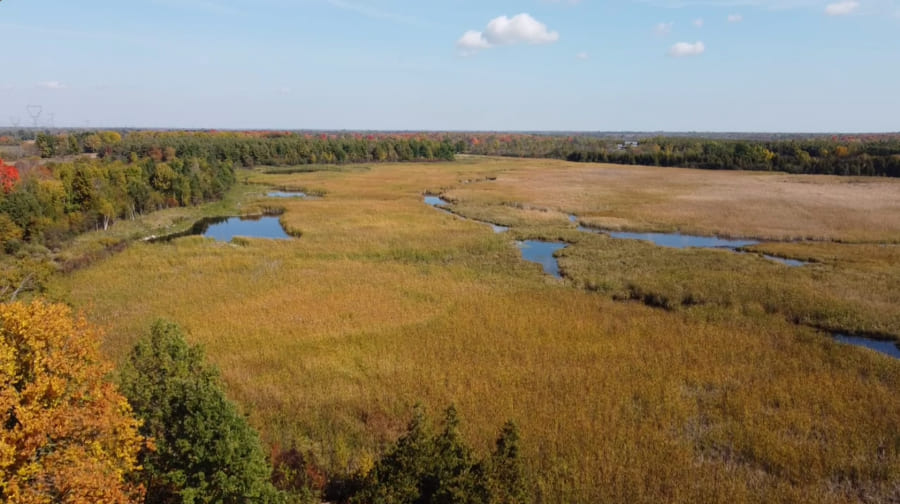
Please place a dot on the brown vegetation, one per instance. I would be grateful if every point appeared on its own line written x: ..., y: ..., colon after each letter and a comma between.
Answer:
x: 331, y: 338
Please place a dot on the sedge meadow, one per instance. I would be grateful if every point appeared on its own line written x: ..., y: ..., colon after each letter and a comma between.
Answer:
x: 644, y: 374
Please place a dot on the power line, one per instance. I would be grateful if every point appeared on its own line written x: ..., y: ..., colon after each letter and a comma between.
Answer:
x: 35, y: 112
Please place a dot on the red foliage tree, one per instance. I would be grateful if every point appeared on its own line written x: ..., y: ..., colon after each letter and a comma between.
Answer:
x: 9, y: 175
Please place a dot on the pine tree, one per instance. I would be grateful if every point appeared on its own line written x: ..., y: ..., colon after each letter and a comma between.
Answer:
x: 205, y: 450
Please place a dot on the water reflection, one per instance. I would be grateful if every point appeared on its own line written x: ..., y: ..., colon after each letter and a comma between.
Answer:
x: 286, y: 194
x: 541, y: 252
x: 885, y: 347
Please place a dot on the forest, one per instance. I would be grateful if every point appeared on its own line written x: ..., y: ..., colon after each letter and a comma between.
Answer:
x: 870, y: 156
x: 49, y: 203
x: 91, y: 179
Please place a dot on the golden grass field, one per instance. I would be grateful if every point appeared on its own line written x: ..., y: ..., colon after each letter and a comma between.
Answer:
x: 328, y: 340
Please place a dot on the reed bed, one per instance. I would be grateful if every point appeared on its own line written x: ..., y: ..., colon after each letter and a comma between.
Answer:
x: 329, y: 339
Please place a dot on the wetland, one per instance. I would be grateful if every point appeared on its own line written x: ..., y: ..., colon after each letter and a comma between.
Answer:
x: 645, y: 374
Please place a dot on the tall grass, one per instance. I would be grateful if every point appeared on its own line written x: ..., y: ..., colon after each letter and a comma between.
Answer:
x: 328, y: 340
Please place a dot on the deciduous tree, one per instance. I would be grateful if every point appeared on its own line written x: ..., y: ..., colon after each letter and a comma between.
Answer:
x: 9, y: 175
x: 67, y: 435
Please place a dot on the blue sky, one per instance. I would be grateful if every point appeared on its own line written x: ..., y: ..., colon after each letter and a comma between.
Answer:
x: 674, y: 65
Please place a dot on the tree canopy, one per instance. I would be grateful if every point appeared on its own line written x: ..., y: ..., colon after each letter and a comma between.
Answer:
x: 205, y: 450
x: 68, y: 436
x: 427, y: 468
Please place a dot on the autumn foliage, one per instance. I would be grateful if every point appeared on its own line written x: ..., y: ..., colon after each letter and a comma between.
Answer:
x: 67, y: 435
x: 9, y: 175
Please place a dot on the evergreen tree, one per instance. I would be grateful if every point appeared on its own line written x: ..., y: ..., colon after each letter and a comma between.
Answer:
x: 205, y: 450
x: 505, y: 475
x: 421, y: 468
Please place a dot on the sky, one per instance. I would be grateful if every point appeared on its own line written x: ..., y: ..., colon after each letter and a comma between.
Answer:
x: 511, y: 65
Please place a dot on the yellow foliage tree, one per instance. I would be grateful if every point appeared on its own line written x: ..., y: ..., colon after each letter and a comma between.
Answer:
x: 67, y: 435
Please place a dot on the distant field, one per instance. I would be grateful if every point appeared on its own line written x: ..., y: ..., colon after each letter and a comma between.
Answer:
x: 10, y: 152
x: 328, y: 340
x: 749, y: 204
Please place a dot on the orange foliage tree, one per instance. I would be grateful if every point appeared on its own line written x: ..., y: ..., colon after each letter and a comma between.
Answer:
x: 67, y: 435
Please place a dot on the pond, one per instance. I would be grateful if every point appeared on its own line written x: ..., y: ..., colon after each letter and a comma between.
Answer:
x: 248, y: 227
x: 541, y: 252
x: 793, y: 263
x: 886, y: 347
x: 226, y: 228
x: 286, y: 194
x: 435, y: 201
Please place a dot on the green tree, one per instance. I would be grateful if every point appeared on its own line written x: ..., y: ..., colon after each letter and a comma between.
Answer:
x: 205, y: 450
x: 46, y: 145
x: 397, y: 477
x: 506, y: 482
x: 9, y: 231
x: 422, y: 468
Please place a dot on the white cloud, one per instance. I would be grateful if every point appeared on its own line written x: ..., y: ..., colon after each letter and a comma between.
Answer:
x: 841, y: 8
x: 663, y: 29
x: 682, y: 49
x: 519, y: 29
x: 472, y: 41
x: 51, y: 85
x: 698, y: 22
x: 735, y: 18
x: 583, y: 56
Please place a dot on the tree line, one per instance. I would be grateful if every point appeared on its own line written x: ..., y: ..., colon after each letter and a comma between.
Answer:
x: 876, y: 156
x: 249, y: 149
x: 164, y: 432
x: 873, y: 155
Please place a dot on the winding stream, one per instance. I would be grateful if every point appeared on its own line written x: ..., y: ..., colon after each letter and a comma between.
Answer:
x: 439, y: 203
x: 682, y: 241
x: 886, y: 347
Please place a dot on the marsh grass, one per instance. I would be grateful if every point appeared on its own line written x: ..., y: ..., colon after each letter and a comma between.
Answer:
x: 860, y: 295
x: 311, y: 168
x: 772, y: 206
x: 330, y: 339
